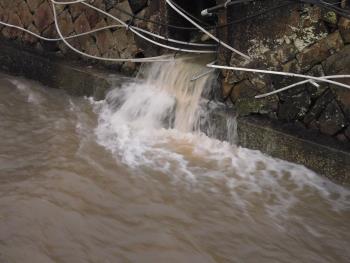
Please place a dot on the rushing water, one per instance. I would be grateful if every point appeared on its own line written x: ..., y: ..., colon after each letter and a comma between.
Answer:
x: 127, y: 180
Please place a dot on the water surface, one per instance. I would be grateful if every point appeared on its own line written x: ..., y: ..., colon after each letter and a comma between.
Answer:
x: 84, y: 181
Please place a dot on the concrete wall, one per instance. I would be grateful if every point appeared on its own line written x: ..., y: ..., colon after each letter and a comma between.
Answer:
x: 294, y: 38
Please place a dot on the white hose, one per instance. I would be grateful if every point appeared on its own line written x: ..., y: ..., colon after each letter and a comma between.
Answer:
x: 173, y: 40
x: 103, y: 28
x: 59, y: 39
x: 298, y: 84
x: 145, y: 31
x: 153, y: 59
x: 205, y: 31
x: 142, y: 36
x: 282, y: 74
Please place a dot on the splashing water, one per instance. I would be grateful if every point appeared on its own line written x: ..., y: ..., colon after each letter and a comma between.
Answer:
x: 156, y: 123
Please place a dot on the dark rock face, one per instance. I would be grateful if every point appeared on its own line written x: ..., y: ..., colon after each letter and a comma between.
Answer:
x: 347, y: 132
x: 319, y: 106
x: 303, y: 40
x: 332, y: 119
x: 295, y: 107
x: 137, y: 5
x: 110, y: 3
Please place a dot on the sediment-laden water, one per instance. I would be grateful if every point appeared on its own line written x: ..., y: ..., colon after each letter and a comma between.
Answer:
x: 128, y: 180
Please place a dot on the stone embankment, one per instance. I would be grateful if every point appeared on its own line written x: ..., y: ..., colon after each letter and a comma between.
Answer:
x: 37, y: 16
x: 295, y: 38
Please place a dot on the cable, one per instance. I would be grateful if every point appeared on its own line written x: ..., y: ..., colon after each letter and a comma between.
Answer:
x: 154, y: 59
x: 298, y: 84
x: 195, y: 28
x: 209, y: 11
x: 206, y: 32
x: 140, y: 29
x: 142, y: 36
x: 103, y: 28
x: 59, y: 39
x: 281, y: 74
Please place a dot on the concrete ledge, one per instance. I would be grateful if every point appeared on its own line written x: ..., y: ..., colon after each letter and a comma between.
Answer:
x: 72, y: 76
x: 322, y: 154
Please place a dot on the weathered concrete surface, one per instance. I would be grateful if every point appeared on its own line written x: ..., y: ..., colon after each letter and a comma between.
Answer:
x: 51, y: 71
x: 322, y: 154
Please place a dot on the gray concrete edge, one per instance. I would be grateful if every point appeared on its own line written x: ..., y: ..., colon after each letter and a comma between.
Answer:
x: 76, y: 78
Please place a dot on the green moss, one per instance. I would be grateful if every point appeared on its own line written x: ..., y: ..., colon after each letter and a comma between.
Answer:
x: 330, y: 17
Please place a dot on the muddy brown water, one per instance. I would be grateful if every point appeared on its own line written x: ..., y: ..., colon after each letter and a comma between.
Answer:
x: 78, y: 183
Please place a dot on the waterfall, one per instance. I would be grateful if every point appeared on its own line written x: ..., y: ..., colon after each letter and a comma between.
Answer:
x: 163, y: 98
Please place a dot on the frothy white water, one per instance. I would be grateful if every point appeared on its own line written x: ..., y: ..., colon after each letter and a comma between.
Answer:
x: 154, y: 124
x: 32, y: 96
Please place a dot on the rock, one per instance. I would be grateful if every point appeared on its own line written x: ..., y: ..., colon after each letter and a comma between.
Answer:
x: 81, y: 24
x: 337, y: 62
x: 330, y: 17
x: 50, y: 32
x: 319, y: 106
x: 33, y: 4
x: 66, y: 23
x: 347, y: 132
x: 333, y: 41
x: 247, y: 106
x: 295, y: 107
x: 343, y: 96
x: 344, y: 28
x: 104, y: 39
x: 137, y: 5
x: 110, y: 3
x: 341, y: 137
x: 93, y: 17
x: 4, y: 16
x: 24, y: 14
x: 119, y: 14
x: 243, y: 94
x: 89, y: 46
x: 43, y: 16
x: 128, y: 68
x: 13, y: 33
x: 77, y: 10
x: 320, y: 51
x: 279, y: 82
x: 285, y: 53
x: 292, y: 66
x: 227, y: 89
x: 121, y: 39
x: 27, y: 38
x: 314, y: 91
x: 332, y: 119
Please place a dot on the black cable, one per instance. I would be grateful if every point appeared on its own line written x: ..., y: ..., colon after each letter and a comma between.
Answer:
x: 321, y: 3
x: 207, y: 28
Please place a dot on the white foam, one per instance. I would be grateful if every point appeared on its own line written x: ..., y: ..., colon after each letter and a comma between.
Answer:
x: 132, y: 125
x: 24, y: 87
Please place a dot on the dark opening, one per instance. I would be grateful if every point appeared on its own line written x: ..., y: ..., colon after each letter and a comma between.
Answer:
x: 194, y: 8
